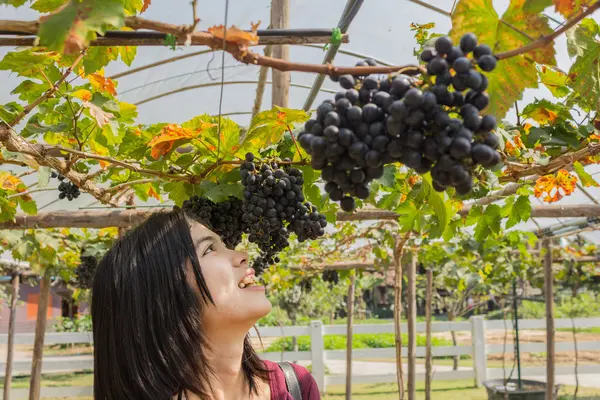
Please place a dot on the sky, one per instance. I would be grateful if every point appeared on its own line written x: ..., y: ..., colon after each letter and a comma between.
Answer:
x: 381, y: 29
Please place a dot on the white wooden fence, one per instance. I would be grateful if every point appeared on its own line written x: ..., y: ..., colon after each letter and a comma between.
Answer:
x: 318, y: 356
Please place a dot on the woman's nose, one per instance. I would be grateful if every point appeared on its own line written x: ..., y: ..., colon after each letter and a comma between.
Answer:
x: 240, y: 259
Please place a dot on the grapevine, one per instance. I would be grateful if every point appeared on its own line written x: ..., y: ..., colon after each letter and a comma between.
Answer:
x: 430, y: 125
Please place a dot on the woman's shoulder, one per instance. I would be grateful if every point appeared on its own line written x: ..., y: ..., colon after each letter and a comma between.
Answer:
x: 310, y: 390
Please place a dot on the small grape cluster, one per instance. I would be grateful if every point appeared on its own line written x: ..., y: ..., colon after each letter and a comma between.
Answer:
x: 67, y: 189
x: 428, y: 126
x: 84, y: 272
x: 331, y: 276
x: 274, y: 207
x: 224, y: 218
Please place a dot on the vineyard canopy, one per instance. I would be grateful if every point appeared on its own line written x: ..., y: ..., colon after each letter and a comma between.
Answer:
x: 379, y: 30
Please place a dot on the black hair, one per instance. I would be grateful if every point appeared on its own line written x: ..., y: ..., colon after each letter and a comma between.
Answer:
x: 147, y: 317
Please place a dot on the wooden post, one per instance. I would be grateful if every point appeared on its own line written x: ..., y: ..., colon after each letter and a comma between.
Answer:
x: 428, y: 366
x: 549, y: 297
x: 280, y: 19
x: 349, y: 335
x: 40, y: 331
x: 15, y: 281
x: 412, y: 326
x: 398, y: 311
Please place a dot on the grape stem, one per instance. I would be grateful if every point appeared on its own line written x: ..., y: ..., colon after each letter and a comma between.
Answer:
x: 295, y: 142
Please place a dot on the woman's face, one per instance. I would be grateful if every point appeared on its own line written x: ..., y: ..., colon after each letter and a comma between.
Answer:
x: 224, y: 270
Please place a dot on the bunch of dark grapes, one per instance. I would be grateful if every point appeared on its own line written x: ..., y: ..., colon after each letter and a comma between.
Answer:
x: 274, y: 207
x: 331, y: 276
x: 426, y: 126
x: 84, y: 273
x: 223, y: 218
x: 306, y: 285
x: 67, y: 189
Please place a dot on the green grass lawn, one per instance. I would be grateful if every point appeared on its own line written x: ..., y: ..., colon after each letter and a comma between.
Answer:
x: 441, y: 390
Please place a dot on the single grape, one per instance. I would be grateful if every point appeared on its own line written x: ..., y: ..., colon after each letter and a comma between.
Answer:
x: 347, y: 204
x: 482, y: 50
x: 455, y: 54
x: 437, y: 66
x: 482, y: 154
x: 373, y: 159
x: 380, y: 98
x: 347, y: 81
x: 413, y: 98
x: 460, y: 148
x: 468, y: 42
x: 427, y: 54
x: 487, y: 62
x: 400, y: 86
x: 352, y: 95
x: 370, y: 112
x: 371, y: 82
x: 488, y: 123
x: 443, y: 45
x: 474, y: 79
x: 462, y: 65
x: 490, y: 139
x: 459, y: 81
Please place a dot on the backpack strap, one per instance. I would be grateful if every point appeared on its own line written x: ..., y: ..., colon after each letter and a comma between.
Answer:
x: 291, y: 380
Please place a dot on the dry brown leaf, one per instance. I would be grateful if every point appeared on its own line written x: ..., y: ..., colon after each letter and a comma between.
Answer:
x: 236, y: 35
x: 145, y: 6
x: 102, y: 117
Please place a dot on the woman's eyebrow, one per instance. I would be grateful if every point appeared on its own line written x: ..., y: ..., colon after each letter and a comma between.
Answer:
x: 204, y: 239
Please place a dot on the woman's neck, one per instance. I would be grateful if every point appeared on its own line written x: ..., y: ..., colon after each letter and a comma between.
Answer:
x: 225, y: 357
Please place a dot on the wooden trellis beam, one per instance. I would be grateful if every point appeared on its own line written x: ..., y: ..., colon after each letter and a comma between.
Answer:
x: 125, y: 218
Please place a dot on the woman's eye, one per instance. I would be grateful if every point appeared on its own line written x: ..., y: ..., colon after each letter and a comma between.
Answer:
x: 209, y: 249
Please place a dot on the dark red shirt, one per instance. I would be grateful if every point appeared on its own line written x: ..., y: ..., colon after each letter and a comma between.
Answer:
x: 310, y: 390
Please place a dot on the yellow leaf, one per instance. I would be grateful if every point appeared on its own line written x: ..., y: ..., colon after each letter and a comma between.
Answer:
x: 163, y: 142
x: 101, y: 83
x: 236, y: 35
x: 543, y: 115
x: 9, y: 182
x: 552, y: 188
x: 82, y: 94
x: 568, y: 7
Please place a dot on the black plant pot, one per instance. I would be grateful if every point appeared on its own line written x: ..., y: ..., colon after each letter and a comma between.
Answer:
x: 531, y: 390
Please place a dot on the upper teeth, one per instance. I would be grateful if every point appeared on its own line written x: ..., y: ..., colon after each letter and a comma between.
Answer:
x: 246, y: 281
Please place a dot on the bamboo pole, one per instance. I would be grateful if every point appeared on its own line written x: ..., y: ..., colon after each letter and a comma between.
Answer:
x: 412, y: 327
x: 428, y: 366
x: 351, y: 289
x: 15, y: 281
x: 549, y: 294
x: 40, y: 331
x: 280, y: 19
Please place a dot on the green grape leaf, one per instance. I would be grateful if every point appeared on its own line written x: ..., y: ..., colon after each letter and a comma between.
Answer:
x: 127, y: 54
x: 518, y: 210
x: 221, y: 192
x: 43, y: 177
x: 226, y: 144
x: 8, y: 112
x: 513, y: 75
x: 584, y: 75
x: 14, y: 3
x: 29, y: 90
x: 554, y: 80
x: 28, y: 205
x: 8, y: 208
x: 99, y: 57
x: 28, y: 62
x: 440, y: 208
x: 489, y: 223
x: 408, y: 215
x: 75, y: 25
x: 268, y: 127
x: 585, y: 178
x: 178, y: 191
x: 45, y: 6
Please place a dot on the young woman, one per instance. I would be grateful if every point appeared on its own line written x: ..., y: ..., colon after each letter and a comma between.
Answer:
x: 171, y: 312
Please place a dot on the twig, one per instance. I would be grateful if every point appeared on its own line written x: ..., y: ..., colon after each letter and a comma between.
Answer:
x: 517, y: 112
x: 196, y: 20
x: 399, y: 248
x: 126, y: 184
x: 554, y: 165
x: 295, y: 142
x: 433, y: 8
x: 547, y: 39
x: 48, y: 93
x: 14, y: 162
x: 75, y: 119
x: 30, y: 191
x: 514, y: 28
x: 26, y: 173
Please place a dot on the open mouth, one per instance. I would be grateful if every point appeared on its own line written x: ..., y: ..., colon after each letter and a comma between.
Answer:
x: 248, y: 281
